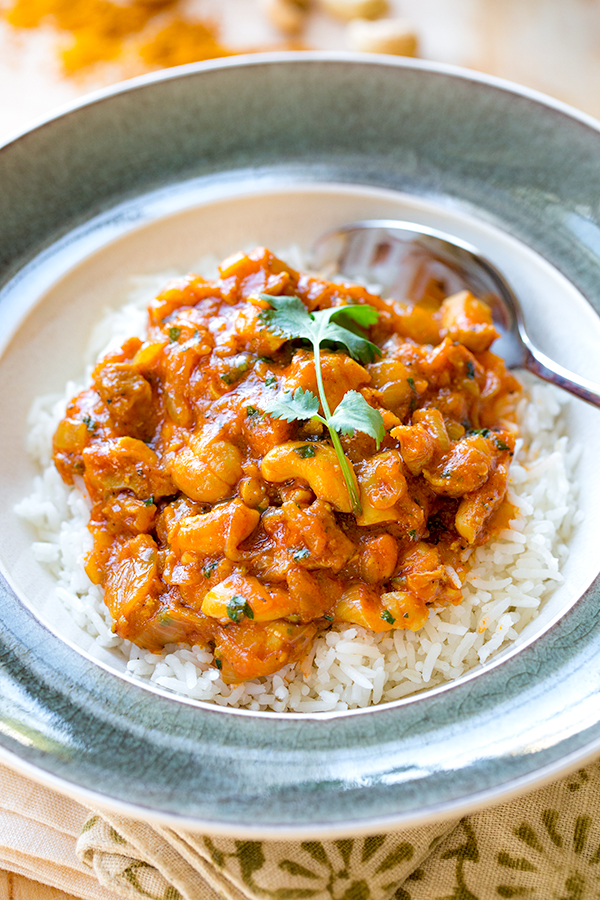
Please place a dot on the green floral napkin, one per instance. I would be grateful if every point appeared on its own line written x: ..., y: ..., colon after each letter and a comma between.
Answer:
x: 542, y: 846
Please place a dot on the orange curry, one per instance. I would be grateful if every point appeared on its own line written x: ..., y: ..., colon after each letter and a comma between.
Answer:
x: 215, y: 523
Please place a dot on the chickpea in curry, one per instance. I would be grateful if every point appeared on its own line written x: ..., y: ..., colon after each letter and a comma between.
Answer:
x: 216, y: 523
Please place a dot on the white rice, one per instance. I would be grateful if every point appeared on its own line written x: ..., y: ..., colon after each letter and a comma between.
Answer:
x: 348, y: 667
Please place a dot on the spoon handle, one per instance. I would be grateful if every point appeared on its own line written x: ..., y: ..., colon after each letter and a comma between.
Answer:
x: 549, y: 370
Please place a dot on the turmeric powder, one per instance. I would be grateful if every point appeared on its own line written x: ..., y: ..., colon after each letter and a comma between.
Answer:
x: 103, y: 31
x: 182, y: 42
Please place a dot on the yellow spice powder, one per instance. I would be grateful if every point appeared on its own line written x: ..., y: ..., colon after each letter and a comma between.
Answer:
x: 182, y: 42
x: 100, y: 30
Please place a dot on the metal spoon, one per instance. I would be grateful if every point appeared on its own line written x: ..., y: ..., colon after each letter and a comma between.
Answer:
x: 402, y: 257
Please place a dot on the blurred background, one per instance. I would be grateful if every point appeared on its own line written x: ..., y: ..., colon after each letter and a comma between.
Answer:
x: 52, y: 51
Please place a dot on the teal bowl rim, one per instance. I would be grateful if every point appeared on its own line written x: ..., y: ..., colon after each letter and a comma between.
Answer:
x: 476, y: 798
x: 255, y: 59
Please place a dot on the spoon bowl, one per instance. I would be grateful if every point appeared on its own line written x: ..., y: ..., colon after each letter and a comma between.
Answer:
x: 402, y: 258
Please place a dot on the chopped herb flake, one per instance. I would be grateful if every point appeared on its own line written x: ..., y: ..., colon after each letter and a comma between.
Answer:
x: 149, y: 501
x: 387, y: 617
x: 218, y: 663
x: 500, y: 444
x: 411, y: 382
x: 208, y: 569
x: 406, y: 615
x: 329, y: 618
x: 412, y: 533
x: 251, y: 411
x: 174, y: 333
x: 305, y: 451
x: 470, y: 369
x: 239, y: 365
x: 90, y: 424
x: 270, y: 380
x: 302, y: 553
x: 238, y: 607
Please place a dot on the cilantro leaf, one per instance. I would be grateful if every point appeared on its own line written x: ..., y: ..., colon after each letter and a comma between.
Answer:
x: 289, y: 317
x: 299, y: 405
x: 358, y: 347
x: 355, y: 414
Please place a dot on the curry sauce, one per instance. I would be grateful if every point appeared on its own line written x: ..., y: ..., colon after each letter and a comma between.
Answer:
x: 216, y: 523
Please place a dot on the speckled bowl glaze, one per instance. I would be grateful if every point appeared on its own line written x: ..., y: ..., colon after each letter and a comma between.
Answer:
x: 154, y: 173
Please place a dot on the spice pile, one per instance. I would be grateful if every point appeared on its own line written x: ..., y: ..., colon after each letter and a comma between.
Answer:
x: 140, y: 35
x: 154, y: 32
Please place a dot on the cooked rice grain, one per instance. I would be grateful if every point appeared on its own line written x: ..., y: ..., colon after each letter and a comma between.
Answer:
x: 348, y: 667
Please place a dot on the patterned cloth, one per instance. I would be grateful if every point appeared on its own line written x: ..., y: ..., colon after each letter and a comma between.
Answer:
x: 38, y: 832
x: 542, y: 846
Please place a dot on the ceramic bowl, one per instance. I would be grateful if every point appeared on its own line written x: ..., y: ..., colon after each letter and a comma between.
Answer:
x: 150, y: 176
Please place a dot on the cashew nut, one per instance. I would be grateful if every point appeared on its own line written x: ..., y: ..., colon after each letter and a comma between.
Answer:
x: 219, y: 531
x: 315, y: 463
x: 264, y: 605
x: 382, y: 485
x: 352, y: 9
x: 207, y: 470
x: 383, y: 36
x: 288, y: 16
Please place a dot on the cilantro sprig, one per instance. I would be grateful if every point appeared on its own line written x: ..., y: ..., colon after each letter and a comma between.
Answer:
x: 288, y: 317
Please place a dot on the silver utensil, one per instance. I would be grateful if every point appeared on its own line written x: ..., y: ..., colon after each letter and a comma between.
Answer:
x: 402, y: 257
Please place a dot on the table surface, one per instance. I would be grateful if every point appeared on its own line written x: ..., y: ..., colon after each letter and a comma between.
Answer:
x: 549, y: 45
x: 16, y: 887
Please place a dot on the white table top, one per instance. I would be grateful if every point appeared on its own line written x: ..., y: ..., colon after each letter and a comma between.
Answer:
x: 550, y: 45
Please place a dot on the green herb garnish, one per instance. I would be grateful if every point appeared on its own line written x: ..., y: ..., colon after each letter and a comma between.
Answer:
x: 470, y: 369
x: 413, y: 400
x: 270, y: 380
x: 174, y: 333
x: 149, y: 501
x: 303, y: 452
x: 251, y: 411
x: 485, y: 432
x: 90, y: 424
x: 329, y: 618
x: 209, y: 568
x: 302, y: 553
x: 218, y: 663
x: 289, y: 317
x: 240, y: 364
x: 387, y: 617
x: 412, y: 533
x: 238, y: 607
x: 406, y: 615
